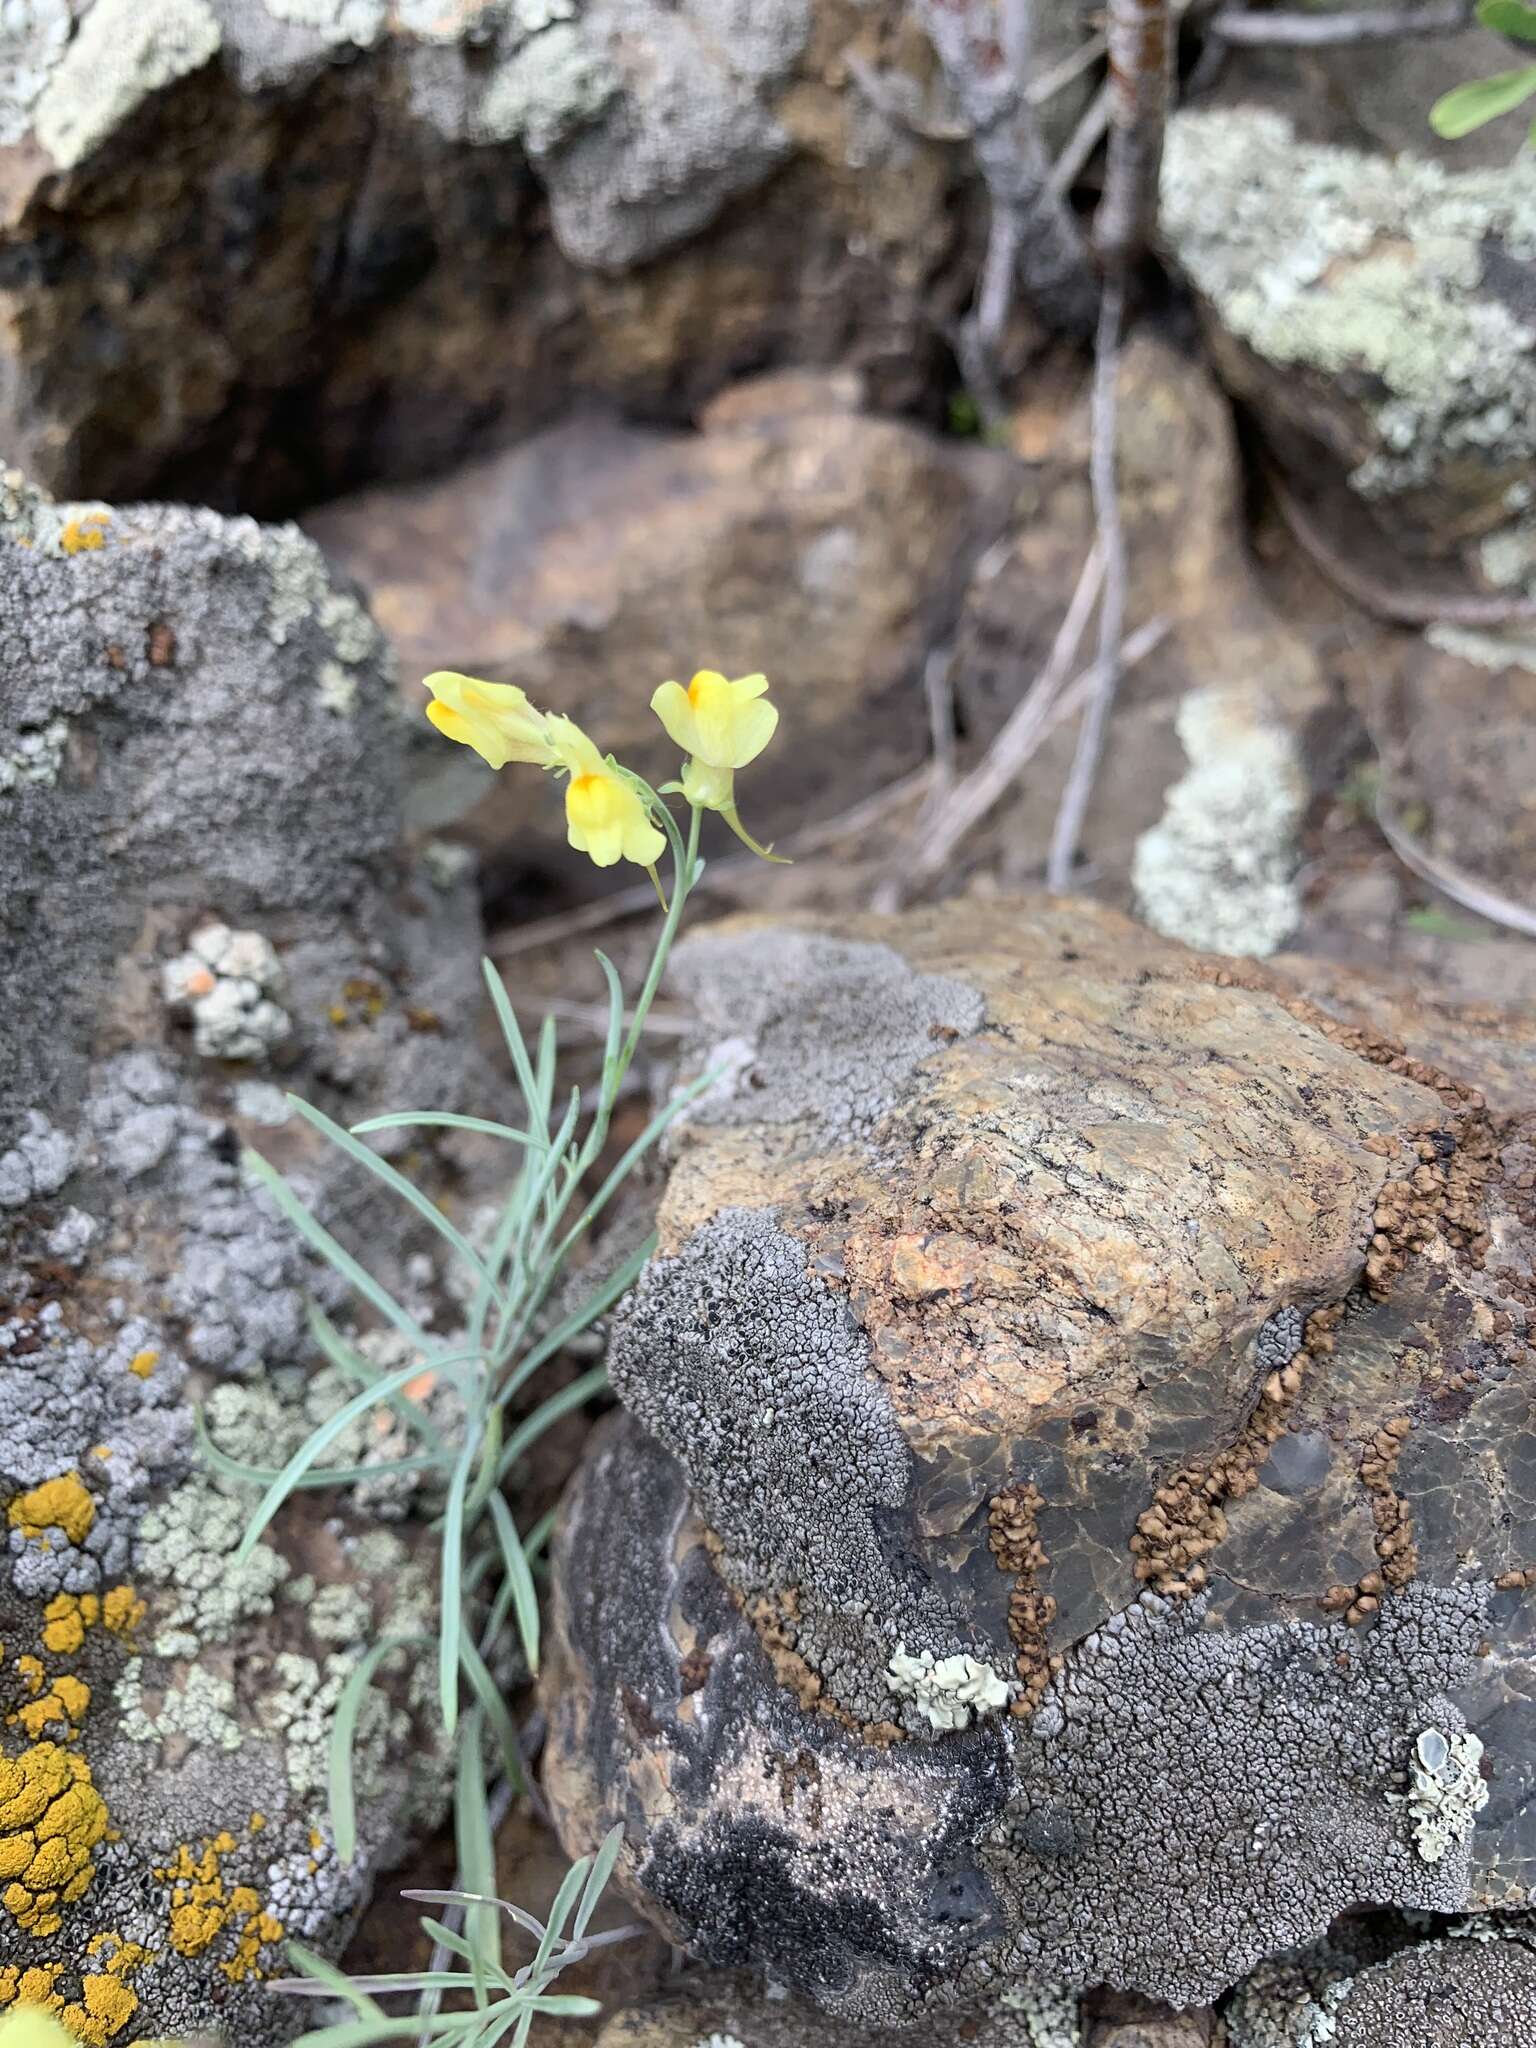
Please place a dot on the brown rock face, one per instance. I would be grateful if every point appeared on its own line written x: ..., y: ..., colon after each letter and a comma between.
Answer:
x: 1184, y: 523
x: 262, y: 258
x: 1102, y: 1380
x: 795, y: 535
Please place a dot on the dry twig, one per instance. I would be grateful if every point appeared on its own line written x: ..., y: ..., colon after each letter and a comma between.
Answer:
x: 1322, y: 31
x: 1033, y: 240
x: 1381, y: 600
x: 1452, y: 881
x: 1081, y: 143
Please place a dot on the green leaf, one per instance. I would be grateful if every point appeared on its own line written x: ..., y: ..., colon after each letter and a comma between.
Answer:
x: 327, y: 1975
x: 451, y: 1621
x: 489, y: 1696
x: 356, y: 1367
x: 307, y: 1453
x: 525, y: 1600
x: 322, y: 1476
x: 321, y: 1239
x: 517, y: 1045
x: 476, y: 1850
x: 397, y: 1184
x: 411, y: 1119
x: 597, y: 1880
x: 563, y: 1402
x: 1483, y: 100
x: 1509, y: 18
x: 339, y: 1743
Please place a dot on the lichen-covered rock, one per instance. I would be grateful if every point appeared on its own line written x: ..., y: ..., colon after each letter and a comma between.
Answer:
x: 1221, y: 730
x: 215, y: 809
x: 1388, y: 1987
x: 795, y: 535
x: 1467, y: 781
x: 1375, y: 314
x: 1103, y: 1382
x: 394, y: 231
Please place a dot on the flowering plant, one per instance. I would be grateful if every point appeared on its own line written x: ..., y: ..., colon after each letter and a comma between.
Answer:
x: 510, y: 1331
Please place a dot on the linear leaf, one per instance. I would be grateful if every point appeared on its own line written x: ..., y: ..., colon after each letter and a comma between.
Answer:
x: 567, y: 1399
x: 334, y: 1254
x: 412, y: 1119
x: 525, y: 1600
x: 396, y: 1182
x: 339, y: 1743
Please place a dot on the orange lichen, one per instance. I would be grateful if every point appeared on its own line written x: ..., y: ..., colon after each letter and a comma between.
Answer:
x: 64, y: 1503
x: 204, y: 1906
x: 51, y: 1818
x: 83, y: 535
x: 143, y: 1363
x: 121, y: 1611
x: 62, y: 1708
x: 31, y: 1984
x: 68, y: 1615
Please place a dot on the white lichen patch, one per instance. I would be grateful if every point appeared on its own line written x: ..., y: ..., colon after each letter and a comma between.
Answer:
x: 38, y: 1164
x: 358, y: 23
x: 35, y: 756
x: 225, y: 981
x: 1491, y: 651
x: 1368, y: 266
x: 1049, y: 2013
x: 1218, y: 868
x: 547, y: 89
x: 950, y: 1692
x: 33, y: 37
x: 126, y: 50
x: 1446, y: 1790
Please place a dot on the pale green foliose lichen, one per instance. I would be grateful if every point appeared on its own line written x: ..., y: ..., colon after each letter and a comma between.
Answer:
x: 125, y: 50
x: 950, y: 1692
x: 186, y: 1543
x: 1369, y: 266
x: 1218, y: 868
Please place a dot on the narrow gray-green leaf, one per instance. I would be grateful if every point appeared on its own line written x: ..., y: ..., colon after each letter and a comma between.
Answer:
x: 334, y: 1254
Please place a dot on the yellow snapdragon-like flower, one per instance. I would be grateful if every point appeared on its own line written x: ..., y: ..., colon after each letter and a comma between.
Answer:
x: 605, y: 814
x: 722, y: 724
x: 31, y: 2026
x: 496, y: 719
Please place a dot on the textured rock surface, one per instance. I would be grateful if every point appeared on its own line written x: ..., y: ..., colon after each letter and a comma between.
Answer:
x: 1386, y: 1986
x: 1221, y: 730
x: 1044, y: 1307
x: 1376, y: 315
x: 1467, y: 777
x: 794, y: 535
x: 261, y: 253
x: 211, y: 784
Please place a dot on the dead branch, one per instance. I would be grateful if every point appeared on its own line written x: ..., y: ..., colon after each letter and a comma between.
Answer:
x: 1049, y: 83
x: 1034, y: 241
x: 1081, y: 143
x: 1139, y: 37
x: 1452, y: 881
x: 1396, y: 607
x: 1111, y: 545
x: 1323, y: 31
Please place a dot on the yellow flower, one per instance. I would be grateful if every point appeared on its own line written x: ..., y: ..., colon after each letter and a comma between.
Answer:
x: 721, y: 723
x: 605, y: 815
x: 29, y: 2026
x: 495, y: 719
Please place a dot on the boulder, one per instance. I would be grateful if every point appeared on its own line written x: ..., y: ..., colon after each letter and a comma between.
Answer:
x: 1221, y: 731
x: 1374, y: 314
x: 795, y: 534
x: 261, y: 253
x: 1082, y: 1532
x: 200, y: 775
x: 1388, y: 1986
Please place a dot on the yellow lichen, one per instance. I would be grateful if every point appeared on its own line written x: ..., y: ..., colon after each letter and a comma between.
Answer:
x: 203, y: 1907
x: 64, y: 1503
x: 82, y: 535
x: 30, y: 1984
x: 51, y: 1818
x: 33, y: 1674
x: 122, y: 1610
x: 143, y: 1363
x: 66, y: 1702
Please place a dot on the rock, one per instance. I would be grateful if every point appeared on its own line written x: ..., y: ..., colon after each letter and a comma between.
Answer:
x: 718, y: 2008
x: 263, y: 253
x: 1456, y: 725
x: 1388, y: 1987
x: 1374, y: 315
x: 1220, y: 732
x: 1041, y: 1309
x: 1138, y: 2023
x: 795, y: 535
x: 217, y: 801
x: 1443, y: 1991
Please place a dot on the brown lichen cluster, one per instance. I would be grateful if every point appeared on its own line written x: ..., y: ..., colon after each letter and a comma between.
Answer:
x: 1186, y: 1520
x: 1013, y: 1532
